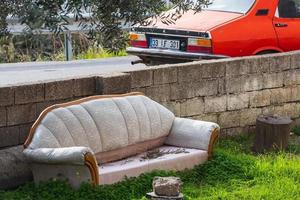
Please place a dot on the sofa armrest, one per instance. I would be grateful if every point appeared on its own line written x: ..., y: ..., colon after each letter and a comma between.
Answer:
x: 69, y: 156
x: 193, y: 134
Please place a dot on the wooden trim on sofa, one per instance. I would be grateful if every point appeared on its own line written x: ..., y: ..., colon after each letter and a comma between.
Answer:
x: 213, y: 139
x: 91, y: 163
x: 75, y: 102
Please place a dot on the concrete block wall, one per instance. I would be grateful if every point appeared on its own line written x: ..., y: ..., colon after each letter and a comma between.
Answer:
x: 231, y: 92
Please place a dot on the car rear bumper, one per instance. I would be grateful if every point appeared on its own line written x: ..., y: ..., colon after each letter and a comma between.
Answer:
x: 164, y: 53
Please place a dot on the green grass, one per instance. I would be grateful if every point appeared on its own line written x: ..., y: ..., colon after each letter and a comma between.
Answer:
x: 93, y: 53
x: 233, y: 173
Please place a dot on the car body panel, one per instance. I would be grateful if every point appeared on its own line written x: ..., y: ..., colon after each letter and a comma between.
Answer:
x: 188, y: 22
x: 258, y: 31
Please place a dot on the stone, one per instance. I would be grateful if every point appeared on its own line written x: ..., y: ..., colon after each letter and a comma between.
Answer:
x: 29, y: 94
x: 7, y: 96
x: 274, y: 80
x: 24, y: 132
x: 233, y: 84
x: 167, y: 186
x: 59, y: 90
x: 215, y: 104
x: 237, y: 102
x: 9, y: 136
x: 21, y: 114
x: 192, y: 107
x: 260, y: 98
x: 237, y: 67
x: 141, y: 78
x: 116, y: 83
x: 2, y: 116
x: 14, y: 169
x: 84, y: 87
x: 295, y: 93
x: 248, y: 116
x: 251, y: 82
x: 159, y: 93
x: 279, y: 63
x: 206, y: 117
x: 281, y: 95
x: 165, y: 76
x: 292, y: 77
x: 230, y: 119
x: 295, y: 60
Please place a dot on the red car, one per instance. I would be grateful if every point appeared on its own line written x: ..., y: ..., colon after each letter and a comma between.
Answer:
x: 226, y: 28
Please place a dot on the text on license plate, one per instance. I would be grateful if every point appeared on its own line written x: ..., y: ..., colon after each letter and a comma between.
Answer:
x: 164, y: 44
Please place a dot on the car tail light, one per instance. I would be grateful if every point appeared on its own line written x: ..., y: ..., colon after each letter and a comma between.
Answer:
x: 199, y: 45
x: 138, y: 40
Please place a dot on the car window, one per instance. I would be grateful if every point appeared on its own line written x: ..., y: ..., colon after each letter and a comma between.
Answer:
x: 289, y: 8
x: 239, y: 6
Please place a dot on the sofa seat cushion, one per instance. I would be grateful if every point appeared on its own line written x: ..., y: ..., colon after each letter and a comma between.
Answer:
x: 162, y: 158
x: 131, y: 150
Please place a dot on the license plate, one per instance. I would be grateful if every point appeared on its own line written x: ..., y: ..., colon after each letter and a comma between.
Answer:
x: 164, y: 43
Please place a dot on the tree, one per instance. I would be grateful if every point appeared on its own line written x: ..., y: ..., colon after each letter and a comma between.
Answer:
x: 105, y: 17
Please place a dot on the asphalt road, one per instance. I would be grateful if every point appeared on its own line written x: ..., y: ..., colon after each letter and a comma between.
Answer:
x: 35, y: 72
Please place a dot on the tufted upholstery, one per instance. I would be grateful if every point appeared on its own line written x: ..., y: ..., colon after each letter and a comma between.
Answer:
x: 67, y: 138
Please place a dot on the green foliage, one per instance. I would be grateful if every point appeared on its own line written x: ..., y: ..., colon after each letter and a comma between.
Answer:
x: 105, y: 16
x: 233, y: 173
x: 296, y: 130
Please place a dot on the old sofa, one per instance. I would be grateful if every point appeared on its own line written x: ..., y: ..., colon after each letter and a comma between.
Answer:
x: 102, y: 139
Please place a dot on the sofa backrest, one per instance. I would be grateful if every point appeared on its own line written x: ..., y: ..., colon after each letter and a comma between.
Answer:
x: 103, y: 124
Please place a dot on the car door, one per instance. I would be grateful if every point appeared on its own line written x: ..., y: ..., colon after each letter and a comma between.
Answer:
x: 287, y: 24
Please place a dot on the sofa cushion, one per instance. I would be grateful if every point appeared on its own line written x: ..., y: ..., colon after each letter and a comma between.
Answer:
x: 104, y: 124
x: 131, y: 150
x: 175, y: 158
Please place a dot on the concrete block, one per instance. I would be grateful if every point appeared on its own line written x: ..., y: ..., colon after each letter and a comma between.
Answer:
x: 291, y: 110
x: 237, y: 102
x: 260, y: 98
x: 295, y: 93
x: 281, y: 95
x: 248, y: 116
x: 117, y: 83
x: 165, y: 76
x: 21, y: 114
x: 251, y: 82
x: 279, y: 62
x: 141, y: 78
x: 3, y: 116
x: 187, y: 90
x: 274, y: 80
x: 159, y: 93
x: 213, y: 68
x: 233, y: 85
x: 190, y: 73
x: 292, y: 77
x: 192, y: 107
x: 84, y: 87
x: 215, y: 104
x: 14, y: 169
x: 173, y: 106
x: 59, y: 90
x: 230, y: 119
x: 206, y: 117
x: 237, y: 67
x: 9, y: 136
x: 24, y: 132
x: 29, y: 94
x: 7, y: 96
x: 206, y: 87
x: 259, y: 65
x: 222, y: 86
x: 295, y: 60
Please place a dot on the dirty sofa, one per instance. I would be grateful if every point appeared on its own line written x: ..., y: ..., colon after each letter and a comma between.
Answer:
x: 102, y: 139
